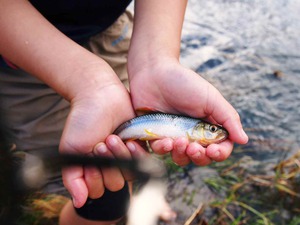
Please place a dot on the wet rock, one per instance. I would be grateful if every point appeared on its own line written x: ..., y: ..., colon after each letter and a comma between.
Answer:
x: 278, y: 74
x: 209, y: 64
x: 187, y: 192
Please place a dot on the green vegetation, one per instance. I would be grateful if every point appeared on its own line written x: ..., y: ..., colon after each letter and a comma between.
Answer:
x: 248, y: 196
x: 253, y: 199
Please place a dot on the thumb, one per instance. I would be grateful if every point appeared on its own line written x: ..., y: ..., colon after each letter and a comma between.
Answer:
x: 75, y: 184
x: 224, y: 113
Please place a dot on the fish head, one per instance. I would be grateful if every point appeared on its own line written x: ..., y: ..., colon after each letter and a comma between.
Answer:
x: 206, y: 133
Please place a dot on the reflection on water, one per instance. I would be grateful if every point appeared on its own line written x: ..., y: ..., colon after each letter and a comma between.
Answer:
x: 250, y: 51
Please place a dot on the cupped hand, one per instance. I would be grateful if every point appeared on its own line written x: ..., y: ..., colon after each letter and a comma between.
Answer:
x: 167, y: 86
x: 94, y: 114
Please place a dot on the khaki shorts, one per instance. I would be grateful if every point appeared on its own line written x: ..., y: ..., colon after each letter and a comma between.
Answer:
x: 35, y: 115
x: 112, y: 45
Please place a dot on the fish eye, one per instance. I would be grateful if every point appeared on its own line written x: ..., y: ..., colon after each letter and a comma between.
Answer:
x: 213, y: 128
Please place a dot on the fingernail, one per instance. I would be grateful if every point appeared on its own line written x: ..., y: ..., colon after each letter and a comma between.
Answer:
x: 244, y: 134
x: 217, y: 154
x: 101, y: 149
x: 112, y: 141
x: 131, y: 147
x: 168, y: 146
x: 74, y: 202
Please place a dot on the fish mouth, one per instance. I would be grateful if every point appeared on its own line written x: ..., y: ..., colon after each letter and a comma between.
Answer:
x: 222, y: 136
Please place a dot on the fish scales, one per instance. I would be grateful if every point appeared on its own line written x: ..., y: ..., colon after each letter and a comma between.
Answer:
x: 161, y: 125
x: 157, y: 125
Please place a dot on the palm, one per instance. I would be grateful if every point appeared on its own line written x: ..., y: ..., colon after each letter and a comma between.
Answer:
x: 90, y: 121
x: 175, y: 89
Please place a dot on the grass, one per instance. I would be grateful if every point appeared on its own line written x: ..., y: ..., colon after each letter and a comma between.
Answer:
x: 250, y: 198
x: 42, y: 209
x: 266, y: 199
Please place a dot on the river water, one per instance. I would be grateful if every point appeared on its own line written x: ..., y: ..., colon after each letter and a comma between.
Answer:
x: 249, y: 50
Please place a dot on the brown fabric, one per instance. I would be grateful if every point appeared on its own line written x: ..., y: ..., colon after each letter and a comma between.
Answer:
x: 112, y: 45
x: 35, y: 115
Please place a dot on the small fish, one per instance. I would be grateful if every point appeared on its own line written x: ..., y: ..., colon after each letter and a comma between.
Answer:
x: 160, y: 125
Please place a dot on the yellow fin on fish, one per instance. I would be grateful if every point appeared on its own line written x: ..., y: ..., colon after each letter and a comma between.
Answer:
x: 189, y: 136
x: 151, y: 134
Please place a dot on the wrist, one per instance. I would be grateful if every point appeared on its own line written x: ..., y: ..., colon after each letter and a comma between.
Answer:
x: 149, y: 63
x: 89, y: 77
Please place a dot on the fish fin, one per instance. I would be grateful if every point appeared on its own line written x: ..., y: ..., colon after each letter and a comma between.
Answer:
x: 145, y: 110
x: 203, y: 142
x: 189, y: 136
x: 144, y: 139
x: 130, y: 139
x: 151, y: 134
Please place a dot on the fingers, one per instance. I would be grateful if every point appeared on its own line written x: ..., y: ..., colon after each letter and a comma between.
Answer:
x: 162, y: 146
x: 183, y: 152
x: 235, y: 129
x: 113, y: 179
x: 75, y: 184
x: 136, y: 151
x: 197, y: 154
x: 215, y: 152
x: 219, y: 152
x: 119, y: 150
x: 83, y: 182
x: 227, y: 116
x: 94, y: 182
x: 179, y: 155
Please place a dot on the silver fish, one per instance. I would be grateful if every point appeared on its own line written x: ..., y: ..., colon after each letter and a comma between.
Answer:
x: 161, y: 125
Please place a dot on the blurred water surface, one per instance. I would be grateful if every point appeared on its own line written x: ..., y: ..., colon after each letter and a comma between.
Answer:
x: 249, y: 50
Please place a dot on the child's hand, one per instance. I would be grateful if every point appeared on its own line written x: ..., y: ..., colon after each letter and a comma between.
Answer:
x: 94, y: 115
x: 167, y: 86
x: 113, y: 178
